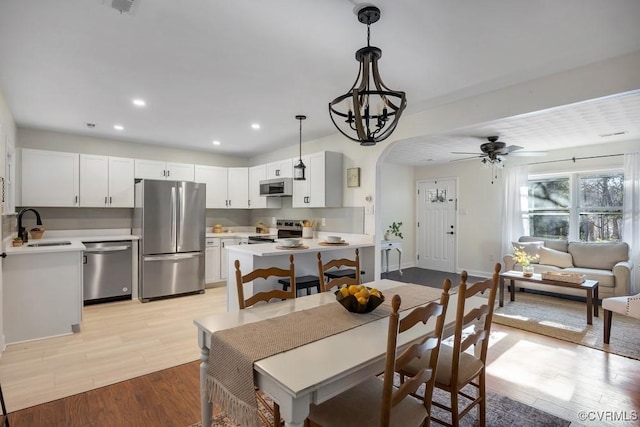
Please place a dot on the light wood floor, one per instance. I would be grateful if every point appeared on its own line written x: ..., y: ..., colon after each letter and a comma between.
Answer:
x: 122, y: 340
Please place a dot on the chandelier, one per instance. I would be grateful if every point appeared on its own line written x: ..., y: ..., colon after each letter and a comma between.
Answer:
x: 369, y: 112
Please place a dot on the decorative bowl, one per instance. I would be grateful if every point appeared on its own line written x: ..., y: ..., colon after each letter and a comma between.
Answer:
x: 291, y: 242
x: 351, y: 303
x: 36, y: 233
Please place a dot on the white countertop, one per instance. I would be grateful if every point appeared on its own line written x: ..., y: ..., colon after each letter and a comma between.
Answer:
x: 76, y: 237
x: 312, y: 245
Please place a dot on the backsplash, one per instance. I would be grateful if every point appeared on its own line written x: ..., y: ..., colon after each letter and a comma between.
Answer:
x: 344, y: 220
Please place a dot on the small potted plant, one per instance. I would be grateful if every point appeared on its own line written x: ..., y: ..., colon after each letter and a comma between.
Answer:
x: 524, y: 259
x: 17, y: 241
x: 393, y: 230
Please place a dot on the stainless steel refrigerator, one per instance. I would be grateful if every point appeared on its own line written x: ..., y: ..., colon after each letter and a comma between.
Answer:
x: 169, y: 219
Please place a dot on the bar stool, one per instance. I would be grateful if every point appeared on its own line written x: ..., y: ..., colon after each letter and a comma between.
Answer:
x: 302, y: 282
x: 345, y: 272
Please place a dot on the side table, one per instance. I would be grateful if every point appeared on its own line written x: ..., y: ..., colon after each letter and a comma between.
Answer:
x: 386, y: 246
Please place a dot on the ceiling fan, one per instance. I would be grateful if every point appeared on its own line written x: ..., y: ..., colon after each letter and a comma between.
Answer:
x: 491, y: 151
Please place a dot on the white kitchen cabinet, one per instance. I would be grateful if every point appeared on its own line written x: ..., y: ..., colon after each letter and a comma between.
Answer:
x: 215, y: 179
x: 154, y: 169
x: 224, y: 254
x: 280, y: 169
x: 227, y: 188
x: 212, y: 260
x: 106, y: 181
x: 42, y: 294
x: 50, y: 178
x: 322, y: 187
x: 256, y: 201
x: 238, y: 188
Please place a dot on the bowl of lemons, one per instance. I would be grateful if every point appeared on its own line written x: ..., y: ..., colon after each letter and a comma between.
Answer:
x: 359, y: 298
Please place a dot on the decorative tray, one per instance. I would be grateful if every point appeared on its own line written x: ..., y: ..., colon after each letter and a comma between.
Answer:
x: 564, y: 277
x: 343, y: 243
x: 292, y: 247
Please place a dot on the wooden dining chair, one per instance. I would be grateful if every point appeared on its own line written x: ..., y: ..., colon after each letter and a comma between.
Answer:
x: 336, y: 265
x: 265, y: 296
x: 265, y: 273
x: 377, y: 402
x: 457, y: 368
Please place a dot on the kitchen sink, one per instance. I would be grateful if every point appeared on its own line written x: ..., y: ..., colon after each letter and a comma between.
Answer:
x: 33, y: 245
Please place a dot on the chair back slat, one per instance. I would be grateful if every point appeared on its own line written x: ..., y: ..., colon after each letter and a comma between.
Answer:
x: 326, y: 285
x: 479, y: 318
x: 426, y: 347
x: 264, y: 273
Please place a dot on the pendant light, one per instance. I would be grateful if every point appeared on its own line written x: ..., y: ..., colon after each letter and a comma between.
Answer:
x: 369, y: 112
x: 298, y: 170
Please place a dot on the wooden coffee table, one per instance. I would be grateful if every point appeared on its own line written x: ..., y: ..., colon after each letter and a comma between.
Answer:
x: 590, y: 286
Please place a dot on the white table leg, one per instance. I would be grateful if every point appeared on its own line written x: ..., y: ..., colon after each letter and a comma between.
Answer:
x: 295, y: 411
x: 206, y: 407
x: 386, y: 253
x: 399, y: 260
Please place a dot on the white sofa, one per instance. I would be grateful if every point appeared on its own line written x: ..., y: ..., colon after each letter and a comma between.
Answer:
x: 606, y: 262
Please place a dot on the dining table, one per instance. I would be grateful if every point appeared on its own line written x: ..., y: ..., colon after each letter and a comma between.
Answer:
x: 319, y: 370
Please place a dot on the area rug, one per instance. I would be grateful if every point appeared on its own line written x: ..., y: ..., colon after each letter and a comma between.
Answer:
x: 501, y: 412
x: 567, y: 320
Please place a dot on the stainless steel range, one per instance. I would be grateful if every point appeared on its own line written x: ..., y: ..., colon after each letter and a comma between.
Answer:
x: 289, y: 228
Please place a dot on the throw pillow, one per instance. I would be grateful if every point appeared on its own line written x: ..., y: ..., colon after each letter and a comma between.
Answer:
x: 530, y: 248
x: 555, y: 258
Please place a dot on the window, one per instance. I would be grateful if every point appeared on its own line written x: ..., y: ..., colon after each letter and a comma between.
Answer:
x: 585, y: 207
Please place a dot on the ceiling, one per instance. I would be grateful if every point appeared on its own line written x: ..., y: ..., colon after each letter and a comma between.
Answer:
x: 208, y: 69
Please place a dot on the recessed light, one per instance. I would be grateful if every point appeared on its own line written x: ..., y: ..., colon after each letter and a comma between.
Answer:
x: 255, y: 126
x: 139, y: 102
x: 118, y: 127
x: 216, y: 142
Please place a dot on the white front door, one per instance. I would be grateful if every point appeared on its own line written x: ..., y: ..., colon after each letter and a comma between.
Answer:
x: 436, y: 206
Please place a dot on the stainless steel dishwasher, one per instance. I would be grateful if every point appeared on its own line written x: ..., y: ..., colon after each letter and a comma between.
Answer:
x: 107, y: 271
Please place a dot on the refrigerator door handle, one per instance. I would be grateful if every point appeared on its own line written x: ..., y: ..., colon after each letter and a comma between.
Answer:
x: 179, y: 223
x: 175, y: 257
x: 173, y: 217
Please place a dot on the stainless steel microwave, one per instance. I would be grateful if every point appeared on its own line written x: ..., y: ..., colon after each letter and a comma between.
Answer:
x: 277, y: 187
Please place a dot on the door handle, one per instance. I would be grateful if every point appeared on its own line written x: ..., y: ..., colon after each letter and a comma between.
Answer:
x: 449, y: 232
x: 105, y: 200
x: 108, y: 249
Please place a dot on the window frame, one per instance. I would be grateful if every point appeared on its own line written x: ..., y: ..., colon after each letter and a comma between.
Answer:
x: 574, y: 209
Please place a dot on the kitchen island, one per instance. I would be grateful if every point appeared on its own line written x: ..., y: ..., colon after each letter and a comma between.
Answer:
x: 266, y: 255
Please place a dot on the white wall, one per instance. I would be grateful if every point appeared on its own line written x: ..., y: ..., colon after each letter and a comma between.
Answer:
x: 398, y: 201
x: 60, y: 141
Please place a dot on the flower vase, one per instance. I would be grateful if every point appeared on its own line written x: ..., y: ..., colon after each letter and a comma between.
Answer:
x: 387, y: 236
x: 527, y: 270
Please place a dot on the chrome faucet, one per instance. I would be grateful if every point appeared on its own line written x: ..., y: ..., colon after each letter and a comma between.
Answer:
x: 22, y: 232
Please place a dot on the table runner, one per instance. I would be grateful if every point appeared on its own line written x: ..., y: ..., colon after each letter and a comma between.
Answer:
x: 233, y: 351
